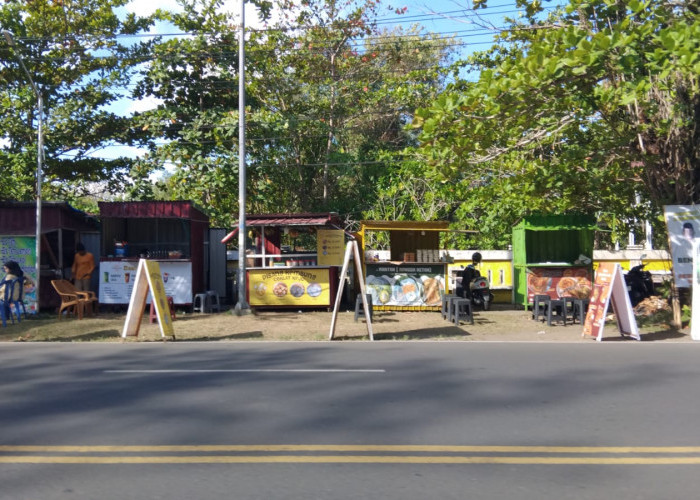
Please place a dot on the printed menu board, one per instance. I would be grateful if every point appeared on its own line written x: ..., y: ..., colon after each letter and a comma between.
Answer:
x: 558, y: 282
x: 414, y: 285
x: 289, y: 287
x: 330, y: 247
x: 609, y: 288
x: 117, y: 281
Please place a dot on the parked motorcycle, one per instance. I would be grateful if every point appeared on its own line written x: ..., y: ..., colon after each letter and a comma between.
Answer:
x: 480, y: 292
x: 639, y: 284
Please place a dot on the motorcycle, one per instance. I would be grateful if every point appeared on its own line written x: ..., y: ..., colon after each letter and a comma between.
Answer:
x: 480, y: 293
x: 639, y: 284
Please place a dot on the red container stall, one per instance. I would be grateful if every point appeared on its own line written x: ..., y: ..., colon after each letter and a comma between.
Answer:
x: 170, y: 232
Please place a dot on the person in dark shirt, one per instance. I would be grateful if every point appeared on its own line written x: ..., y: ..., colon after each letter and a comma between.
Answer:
x: 470, y: 272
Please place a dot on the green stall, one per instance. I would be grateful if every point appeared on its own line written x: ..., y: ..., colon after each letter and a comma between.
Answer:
x: 552, y: 255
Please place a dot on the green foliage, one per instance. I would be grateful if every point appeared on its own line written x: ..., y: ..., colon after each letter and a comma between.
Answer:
x: 585, y: 111
x: 63, y: 46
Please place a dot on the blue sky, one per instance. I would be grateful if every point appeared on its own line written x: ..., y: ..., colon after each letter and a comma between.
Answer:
x: 445, y: 17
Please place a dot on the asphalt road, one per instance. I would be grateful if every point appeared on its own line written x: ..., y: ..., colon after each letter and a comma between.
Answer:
x: 355, y: 420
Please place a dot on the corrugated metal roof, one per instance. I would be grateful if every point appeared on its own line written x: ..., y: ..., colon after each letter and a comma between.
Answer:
x: 18, y: 218
x: 153, y: 210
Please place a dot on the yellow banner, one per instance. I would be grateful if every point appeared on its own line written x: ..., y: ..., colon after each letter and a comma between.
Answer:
x: 289, y: 287
x: 330, y: 247
x: 160, y: 300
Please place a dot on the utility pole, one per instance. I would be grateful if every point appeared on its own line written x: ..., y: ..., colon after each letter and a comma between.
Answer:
x: 39, y: 162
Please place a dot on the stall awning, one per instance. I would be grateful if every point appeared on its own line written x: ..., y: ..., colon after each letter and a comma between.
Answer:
x: 306, y: 219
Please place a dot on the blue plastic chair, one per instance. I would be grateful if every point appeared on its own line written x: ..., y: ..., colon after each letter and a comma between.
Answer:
x: 19, y: 303
x: 5, y: 302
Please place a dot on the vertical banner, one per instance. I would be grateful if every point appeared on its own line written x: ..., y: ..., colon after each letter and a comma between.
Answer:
x: 683, y: 225
x: 22, y: 250
x: 695, y: 318
x: 148, y: 276
x: 609, y: 287
x: 330, y: 247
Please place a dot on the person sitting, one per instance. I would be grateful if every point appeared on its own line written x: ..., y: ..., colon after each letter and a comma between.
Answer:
x: 13, y: 271
x: 470, y: 273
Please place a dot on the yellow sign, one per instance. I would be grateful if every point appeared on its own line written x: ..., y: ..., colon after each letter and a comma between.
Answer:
x: 148, y: 276
x: 289, y: 287
x: 330, y: 247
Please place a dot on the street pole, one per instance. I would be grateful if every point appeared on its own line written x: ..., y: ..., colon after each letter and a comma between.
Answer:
x: 242, y: 306
x: 39, y: 163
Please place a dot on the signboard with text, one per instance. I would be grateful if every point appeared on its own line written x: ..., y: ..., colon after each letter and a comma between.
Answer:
x: 413, y: 285
x: 682, y: 222
x: 22, y: 249
x: 610, y: 288
x: 289, y: 287
x: 117, y: 281
x: 330, y: 247
x: 148, y: 277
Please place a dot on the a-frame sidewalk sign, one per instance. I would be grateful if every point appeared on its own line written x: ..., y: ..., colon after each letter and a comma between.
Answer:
x: 148, y: 277
x: 609, y: 287
x: 351, y: 250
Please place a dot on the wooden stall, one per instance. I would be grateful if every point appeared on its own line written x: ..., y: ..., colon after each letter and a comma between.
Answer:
x: 171, y: 232
x: 62, y: 226
x: 293, y: 260
x: 415, y: 274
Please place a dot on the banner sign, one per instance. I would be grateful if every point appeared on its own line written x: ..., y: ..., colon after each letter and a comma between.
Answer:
x: 406, y: 285
x: 22, y: 249
x: 289, y: 287
x: 682, y: 223
x: 559, y: 282
x: 610, y: 287
x: 148, y: 277
x: 330, y: 247
x: 117, y: 281
x: 695, y: 313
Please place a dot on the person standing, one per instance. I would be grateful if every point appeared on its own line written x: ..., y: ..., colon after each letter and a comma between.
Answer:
x: 83, y: 266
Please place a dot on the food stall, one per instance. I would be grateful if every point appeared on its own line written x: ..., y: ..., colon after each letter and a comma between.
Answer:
x: 170, y: 232
x: 293, y: 260
x: 413, y: 274
x: 62, y: 226
x: 552, y: 255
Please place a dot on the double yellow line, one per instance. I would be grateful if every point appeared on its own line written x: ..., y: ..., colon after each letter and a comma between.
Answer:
x: 352, y: 454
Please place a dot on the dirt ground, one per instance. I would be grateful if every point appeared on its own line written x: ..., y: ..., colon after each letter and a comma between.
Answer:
x: 503, y: 323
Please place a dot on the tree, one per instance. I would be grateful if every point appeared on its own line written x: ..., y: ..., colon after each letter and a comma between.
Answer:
x: 586, y: 110
x: 78, y: 57
x: 327, y: 96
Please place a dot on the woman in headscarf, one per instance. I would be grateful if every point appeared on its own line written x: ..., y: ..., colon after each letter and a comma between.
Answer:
x: 13, y: 271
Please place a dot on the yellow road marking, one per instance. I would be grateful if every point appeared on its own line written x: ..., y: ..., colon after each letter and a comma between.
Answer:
x: 353, y: 448
x: 352, y: 459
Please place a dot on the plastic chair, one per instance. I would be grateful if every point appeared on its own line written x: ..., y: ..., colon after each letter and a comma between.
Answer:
x: 200, y: 303
x: 540, y: 306
x: 6, y: 302
x: 446, y: 307
x: 152, y: 311
x: 359, y: 309
x: 556, y: 310
x: 19, y: 303
x: 213, y: 298
x: 462, y: 308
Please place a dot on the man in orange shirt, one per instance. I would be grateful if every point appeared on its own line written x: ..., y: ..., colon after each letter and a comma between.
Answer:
x: 83, y: 266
